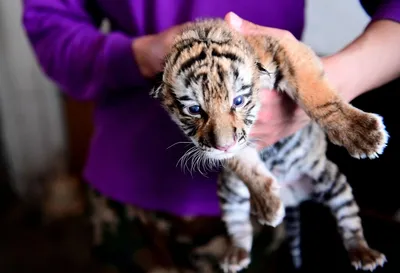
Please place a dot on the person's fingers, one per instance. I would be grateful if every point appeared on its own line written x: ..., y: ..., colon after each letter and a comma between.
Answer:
x: 249, y: 28
x: 170, y: 34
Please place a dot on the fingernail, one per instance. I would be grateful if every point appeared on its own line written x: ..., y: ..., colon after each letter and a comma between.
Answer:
x: 235, y: 21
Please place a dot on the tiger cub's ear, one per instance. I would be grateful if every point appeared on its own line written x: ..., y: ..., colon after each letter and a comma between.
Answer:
x: 158, y: 86
x: 262, y: 68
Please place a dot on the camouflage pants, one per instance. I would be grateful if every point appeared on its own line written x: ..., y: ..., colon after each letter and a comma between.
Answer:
x: 133, y: 240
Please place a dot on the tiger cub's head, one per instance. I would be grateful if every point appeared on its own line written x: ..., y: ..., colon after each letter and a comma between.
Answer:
x: 210, y: 88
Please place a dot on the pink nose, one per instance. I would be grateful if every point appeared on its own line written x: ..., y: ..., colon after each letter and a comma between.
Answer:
x: 226, y: 147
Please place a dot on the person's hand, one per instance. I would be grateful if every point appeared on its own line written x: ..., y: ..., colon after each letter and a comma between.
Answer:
x: 149, y: 50
x: 279, y: 116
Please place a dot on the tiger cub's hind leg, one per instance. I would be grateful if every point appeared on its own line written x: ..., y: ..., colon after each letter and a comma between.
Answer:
x: 332, y: 189
x: 293, y: 67
x: 235, y: 206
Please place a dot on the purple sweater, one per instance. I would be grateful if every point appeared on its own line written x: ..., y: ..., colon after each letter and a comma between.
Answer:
x: 128, y: 159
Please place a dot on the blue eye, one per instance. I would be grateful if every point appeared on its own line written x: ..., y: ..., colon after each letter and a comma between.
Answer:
x: 238, y: 101
x: 195, y: 109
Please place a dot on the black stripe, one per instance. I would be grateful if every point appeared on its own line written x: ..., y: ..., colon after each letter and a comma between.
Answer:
x: 247, y: 104
x: 261, y: 68
x: 331, y: 103
x: 178, y: 104
x: 276, y: 162
x: 347, y: 203
x: 278, y: 79
x: 186, y: 120
x: 291, y: 164
x: 321, y: 177
x: 281, y: 143
x: 227, y: 55
x: 315, y: 163
x: 244, y: 87
x: 212, y: 137
x: 250, y: 116
x: 220, y: 72
x: 295, y: 146
x: 235, y: 73
x: 354, y: 231
x: 339, y: 191
x: 328, y: 114
x: 232, y: 199
x: 327, y: 194
x: 220, y: 43
x: 202, y: 75
x: 191, y: 128
x: 310, y: 130
x: 187, y: 44
x: 337, y: 174
x: 185, y: 98
x: 250, y: 109
x: 189, y: 78
x: 224, y: 188
x: 222, y: 199
x: 186, y: 65
x: 335, y: 179
x: 188, y: 81
x: 205, y: 32
x: 290, y: 68
x: 348, y: 216
x: 247, y: 121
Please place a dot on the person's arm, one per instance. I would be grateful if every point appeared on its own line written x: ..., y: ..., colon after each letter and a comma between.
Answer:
x: 71, y: 50
x: 372, y: 59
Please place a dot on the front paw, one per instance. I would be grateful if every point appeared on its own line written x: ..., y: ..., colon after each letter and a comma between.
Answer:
x: 236, y: 259
x: 362, y: 134
x: 267, y: 208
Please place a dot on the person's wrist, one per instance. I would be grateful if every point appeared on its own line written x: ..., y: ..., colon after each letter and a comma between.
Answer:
x: 338, y: 75
x: 142, y: 48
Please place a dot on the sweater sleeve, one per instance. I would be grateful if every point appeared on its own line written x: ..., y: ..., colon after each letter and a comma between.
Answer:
x: 383, y: 9
x: 71, y: 50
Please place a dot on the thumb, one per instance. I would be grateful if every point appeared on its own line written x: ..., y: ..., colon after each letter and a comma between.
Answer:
x: 239, y: 23
x: 247, y: 27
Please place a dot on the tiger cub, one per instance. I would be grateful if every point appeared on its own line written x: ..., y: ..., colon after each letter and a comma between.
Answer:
x: 210, y: 86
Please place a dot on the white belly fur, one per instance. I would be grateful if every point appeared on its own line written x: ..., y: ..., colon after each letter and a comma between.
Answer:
x: 295, y: 190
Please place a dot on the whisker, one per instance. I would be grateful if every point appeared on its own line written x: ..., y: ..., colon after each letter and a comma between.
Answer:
x: 184, y: 158
x: 194, y: 160
x: 179, y: 142
x: 198, y: 163
x: 253, y: 140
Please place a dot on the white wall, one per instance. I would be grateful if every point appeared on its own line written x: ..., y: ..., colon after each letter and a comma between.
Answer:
x: 331, y: 24
x: 32, y: 132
